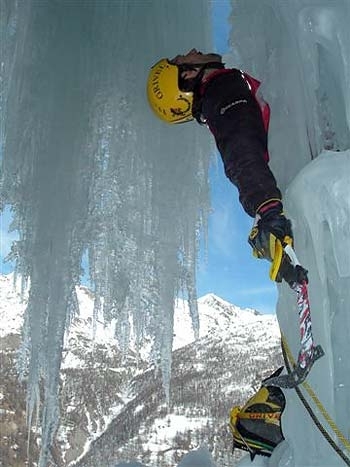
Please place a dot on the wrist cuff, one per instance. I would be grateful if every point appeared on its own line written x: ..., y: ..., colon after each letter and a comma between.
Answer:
x: 272, y: 203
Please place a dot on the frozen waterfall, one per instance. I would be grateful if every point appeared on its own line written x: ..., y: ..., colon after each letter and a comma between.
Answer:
x: 87, y: 168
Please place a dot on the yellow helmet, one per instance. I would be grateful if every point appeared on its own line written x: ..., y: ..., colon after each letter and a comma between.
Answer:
x: 164, y: 95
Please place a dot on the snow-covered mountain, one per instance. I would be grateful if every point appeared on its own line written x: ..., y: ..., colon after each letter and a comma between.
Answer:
x: 113, y: 404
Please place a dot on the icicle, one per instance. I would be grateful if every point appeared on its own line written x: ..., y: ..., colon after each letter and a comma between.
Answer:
x: 87, y: 168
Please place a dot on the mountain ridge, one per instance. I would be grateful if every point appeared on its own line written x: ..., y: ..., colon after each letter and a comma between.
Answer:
x: 113, y: 406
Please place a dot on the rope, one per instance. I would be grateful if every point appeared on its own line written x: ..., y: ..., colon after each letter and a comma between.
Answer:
x: 287, y: 355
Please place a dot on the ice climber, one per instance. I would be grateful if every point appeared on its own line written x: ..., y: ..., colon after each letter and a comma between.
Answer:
x: 198, y: 86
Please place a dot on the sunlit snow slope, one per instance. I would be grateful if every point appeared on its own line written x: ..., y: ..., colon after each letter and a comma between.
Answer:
x: 302, y: 56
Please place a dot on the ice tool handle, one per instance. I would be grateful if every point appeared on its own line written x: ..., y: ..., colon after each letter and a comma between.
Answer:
x: 308, y: 353
x: 311, y: 352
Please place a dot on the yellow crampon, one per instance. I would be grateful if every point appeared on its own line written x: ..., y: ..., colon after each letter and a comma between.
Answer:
x: 256, y: 427
x: 235, y: 411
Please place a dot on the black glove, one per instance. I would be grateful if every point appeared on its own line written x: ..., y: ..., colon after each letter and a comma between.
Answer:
x: 274, y: 221
x: 270, y: 225
x: 271, y: 232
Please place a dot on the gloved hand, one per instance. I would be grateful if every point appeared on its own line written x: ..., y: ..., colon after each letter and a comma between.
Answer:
x: 273, y: 220
x: 270, y: 225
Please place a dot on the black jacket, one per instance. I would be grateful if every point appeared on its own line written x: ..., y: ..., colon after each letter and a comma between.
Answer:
x: 233, y: 115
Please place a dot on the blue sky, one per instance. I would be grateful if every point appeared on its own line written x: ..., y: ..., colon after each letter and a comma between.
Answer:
x: 228, y: 268
x: 6, y: 239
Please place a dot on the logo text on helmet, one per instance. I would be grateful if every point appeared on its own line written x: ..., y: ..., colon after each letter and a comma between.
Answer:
x: 155, y: 82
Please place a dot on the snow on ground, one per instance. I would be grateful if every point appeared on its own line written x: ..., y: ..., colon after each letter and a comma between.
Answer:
x: 200, y: 457
x: 165, y: 430
x: 11, y: 306
x: 213, y: 317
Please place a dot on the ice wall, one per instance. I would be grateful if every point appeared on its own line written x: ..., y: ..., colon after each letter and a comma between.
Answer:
x: 319, y: 205
x: 302, y: 56
x: 87, y: 167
